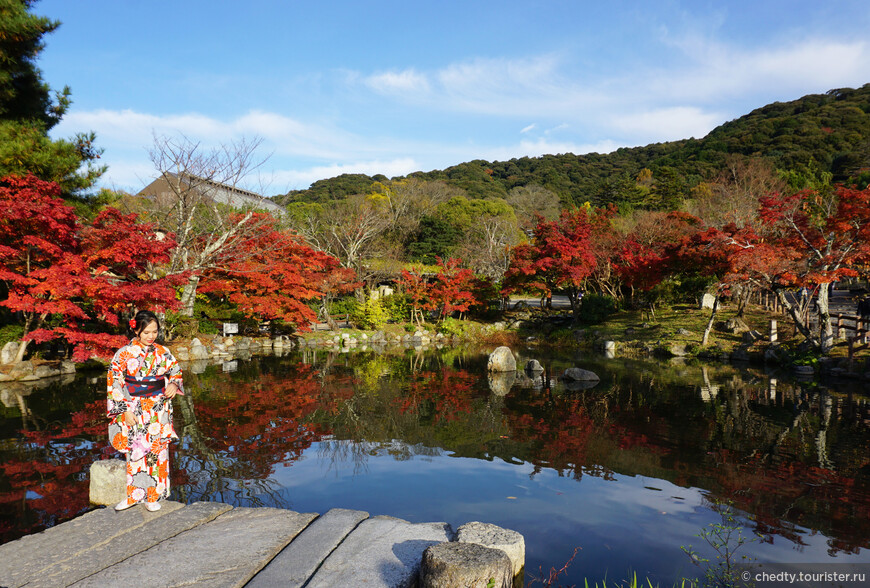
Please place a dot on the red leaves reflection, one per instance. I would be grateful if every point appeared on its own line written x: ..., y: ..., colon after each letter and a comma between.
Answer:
x: 444, y: 395
x: 46, y: 480
x: 261, y: 422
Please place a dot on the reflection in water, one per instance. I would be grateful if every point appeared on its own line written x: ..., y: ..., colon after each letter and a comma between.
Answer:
x: 432, y: 437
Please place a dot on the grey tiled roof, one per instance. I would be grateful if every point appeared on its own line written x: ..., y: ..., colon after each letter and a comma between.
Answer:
x: 229, y: 195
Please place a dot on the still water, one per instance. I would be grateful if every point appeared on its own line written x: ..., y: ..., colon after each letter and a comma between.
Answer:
x: 624, y: 473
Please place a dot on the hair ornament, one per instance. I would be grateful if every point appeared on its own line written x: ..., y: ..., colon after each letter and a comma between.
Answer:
x: 132, y: 323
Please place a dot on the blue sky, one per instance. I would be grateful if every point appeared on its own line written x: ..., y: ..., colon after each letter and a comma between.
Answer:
x: 395, y: 87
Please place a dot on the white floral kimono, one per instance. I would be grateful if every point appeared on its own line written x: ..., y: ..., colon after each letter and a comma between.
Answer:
x: 146, y: 443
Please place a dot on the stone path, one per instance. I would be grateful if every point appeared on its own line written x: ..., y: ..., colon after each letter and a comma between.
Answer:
x: 214, y: 544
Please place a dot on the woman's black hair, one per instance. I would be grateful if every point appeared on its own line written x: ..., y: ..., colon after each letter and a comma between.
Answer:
x: 142, y: 319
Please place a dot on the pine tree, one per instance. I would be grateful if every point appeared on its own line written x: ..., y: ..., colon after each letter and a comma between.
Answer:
x: 29, y: 109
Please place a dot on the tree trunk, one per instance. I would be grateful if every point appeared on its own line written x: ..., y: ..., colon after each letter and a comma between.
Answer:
x: 22, y: 349
x: 826, y: 331
x: 742, y: 300
x: 31, y: 323
x: 712, y: 319
x: 575, y: 306
x: 188, y: 295
x: 793, y: 312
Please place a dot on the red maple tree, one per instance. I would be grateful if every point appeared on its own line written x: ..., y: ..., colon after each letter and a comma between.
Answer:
x: 64, y: 279
x: 647, y: 255
x: 450, y: 291
x: 413, y: 284
x: 825, y: 234
x: 275, y: 275
x: 560, y: 257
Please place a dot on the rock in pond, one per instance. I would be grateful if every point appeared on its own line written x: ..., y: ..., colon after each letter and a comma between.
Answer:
x: 501, y: 360
x: 534, y: 366
x: 580, y: 375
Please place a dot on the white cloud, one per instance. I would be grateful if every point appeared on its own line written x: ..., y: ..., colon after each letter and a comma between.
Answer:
x: 300, y: 179
x: 127, y: 135
x: 718, y: 72
x: 529, y: 128
x: 686, y: 98
x: 127, y: 128
x: 407, y: 81
x: 492, y: 86
x: 667, y: 124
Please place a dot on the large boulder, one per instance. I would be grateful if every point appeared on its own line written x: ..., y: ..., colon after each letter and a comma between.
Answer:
x: 9, y: 351
x: 198, y: 352
x: 22, y: 370
x: 501, y: 360
x: 678, y: 349
x: 736, y: 326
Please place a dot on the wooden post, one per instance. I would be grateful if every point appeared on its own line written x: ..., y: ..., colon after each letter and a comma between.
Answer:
x: 841, y: 332
x: 772, y: 335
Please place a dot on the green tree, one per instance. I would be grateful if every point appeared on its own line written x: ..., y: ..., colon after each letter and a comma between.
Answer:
x: 29, y: 109
x: 434, y: 238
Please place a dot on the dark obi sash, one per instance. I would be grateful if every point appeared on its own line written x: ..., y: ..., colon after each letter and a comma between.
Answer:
x: 145, y: 386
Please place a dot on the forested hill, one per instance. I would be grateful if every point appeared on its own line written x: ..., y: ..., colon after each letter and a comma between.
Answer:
x: 817, y: 133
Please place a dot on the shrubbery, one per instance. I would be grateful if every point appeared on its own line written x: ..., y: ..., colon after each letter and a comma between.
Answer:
x: 10, y: 333
x: 397, y: 308
x: 369, y: 315
x: 596, y: 308
x: 451, y: 326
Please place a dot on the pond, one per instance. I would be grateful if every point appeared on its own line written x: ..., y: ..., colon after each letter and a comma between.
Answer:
x: 624, y: 473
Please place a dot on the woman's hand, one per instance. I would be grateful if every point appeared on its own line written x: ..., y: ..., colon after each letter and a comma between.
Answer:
x: 170, y: 390
x: 129, y: 418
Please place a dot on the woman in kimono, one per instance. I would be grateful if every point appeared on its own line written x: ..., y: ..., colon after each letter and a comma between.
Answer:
x: 142, y: 379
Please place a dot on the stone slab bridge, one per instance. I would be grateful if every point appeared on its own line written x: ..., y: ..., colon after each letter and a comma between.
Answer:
x: 215, y: 544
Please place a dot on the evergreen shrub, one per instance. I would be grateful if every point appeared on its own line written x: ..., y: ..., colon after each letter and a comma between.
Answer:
x: 595, y: 308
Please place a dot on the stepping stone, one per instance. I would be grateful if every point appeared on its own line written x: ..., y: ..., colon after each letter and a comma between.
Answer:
x: 33, y: 557
x: 382, y: 552
x: 299, y: 560
x: 227, y: 551
x: 495, y: 537
x: 448, y: 565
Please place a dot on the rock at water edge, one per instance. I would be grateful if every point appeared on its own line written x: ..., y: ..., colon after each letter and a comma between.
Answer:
x: 9, y: 351
x: 501, y: 360
x: 198, y: 352
x: 495, y: 537
x: 470, y: 565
